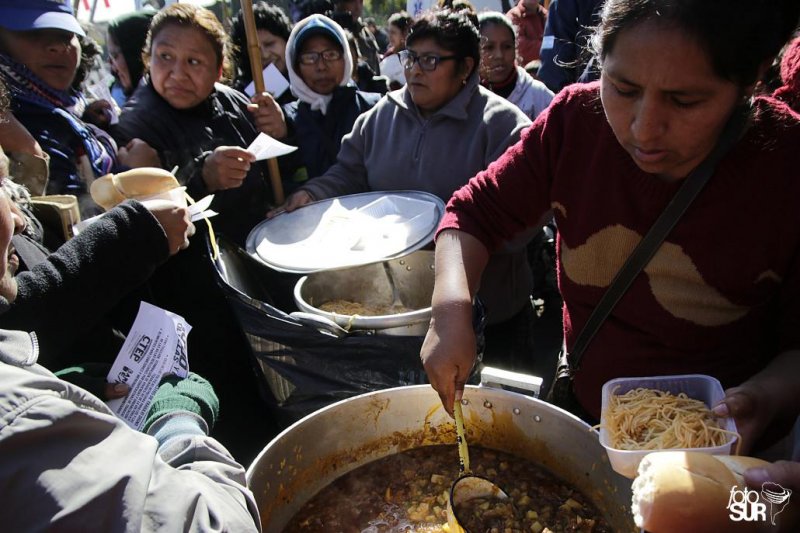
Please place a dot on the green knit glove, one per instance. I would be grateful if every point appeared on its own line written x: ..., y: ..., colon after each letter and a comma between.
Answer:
x: 193, y: 394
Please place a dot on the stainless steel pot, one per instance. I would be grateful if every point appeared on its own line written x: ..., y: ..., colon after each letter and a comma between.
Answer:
x: 411, y: 275
x: 312, y: 453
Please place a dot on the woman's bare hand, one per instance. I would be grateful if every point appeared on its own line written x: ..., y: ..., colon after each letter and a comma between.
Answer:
x: 98, y: 113
x: 448, y: 353
x: 749, y: 407
x: 226, y: 168
x: 175, y: 221
x: 268, y: 115
x: 137, y: 154
x: 295, y: 200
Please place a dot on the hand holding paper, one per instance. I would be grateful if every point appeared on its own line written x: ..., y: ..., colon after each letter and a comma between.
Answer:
x: 155, y: 347
x: 226, y: 167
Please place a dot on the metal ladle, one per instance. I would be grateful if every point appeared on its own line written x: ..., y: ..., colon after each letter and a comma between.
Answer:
x: 467, y: 486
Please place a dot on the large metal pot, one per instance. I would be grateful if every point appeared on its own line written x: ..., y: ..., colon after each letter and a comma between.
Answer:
x: 313, y: 452
x: 411, y: 275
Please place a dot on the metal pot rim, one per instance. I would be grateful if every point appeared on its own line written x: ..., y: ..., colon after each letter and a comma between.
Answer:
x: 296, y: 463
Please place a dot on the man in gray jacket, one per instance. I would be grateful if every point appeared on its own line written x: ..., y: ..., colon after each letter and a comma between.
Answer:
x: 68, y: 462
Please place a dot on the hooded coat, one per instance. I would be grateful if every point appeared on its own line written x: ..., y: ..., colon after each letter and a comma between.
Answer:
x: 316, y: 123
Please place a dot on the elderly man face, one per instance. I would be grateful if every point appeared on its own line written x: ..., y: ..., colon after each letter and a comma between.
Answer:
x: 11, y: 222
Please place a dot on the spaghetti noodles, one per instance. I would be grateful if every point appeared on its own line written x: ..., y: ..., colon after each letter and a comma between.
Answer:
x: 348, y: 307
x: 647, y: 419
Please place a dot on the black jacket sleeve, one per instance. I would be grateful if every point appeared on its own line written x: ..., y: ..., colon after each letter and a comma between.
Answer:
x: 62, y: 298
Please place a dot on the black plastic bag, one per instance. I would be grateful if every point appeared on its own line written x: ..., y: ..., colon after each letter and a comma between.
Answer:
x: 305, y: 368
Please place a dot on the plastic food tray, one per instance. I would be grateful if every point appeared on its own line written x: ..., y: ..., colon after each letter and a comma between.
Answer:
x: 698, y: 386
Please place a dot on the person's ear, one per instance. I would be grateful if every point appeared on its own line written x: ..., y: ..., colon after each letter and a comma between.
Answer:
x: 468, y: 65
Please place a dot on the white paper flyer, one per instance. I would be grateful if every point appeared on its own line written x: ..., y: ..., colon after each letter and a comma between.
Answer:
x: 155, y: 347
x: 265, y: 147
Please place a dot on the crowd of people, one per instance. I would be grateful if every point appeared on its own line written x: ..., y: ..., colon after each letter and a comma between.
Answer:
x: 590, y: 115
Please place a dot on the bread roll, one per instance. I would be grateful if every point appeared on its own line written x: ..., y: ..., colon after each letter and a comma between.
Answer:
x: 137, y: 183
x: 689, y: 492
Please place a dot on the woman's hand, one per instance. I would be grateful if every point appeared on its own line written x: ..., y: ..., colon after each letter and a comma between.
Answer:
x: 784, y: 473
x: 767, y: 398
x: 92, y: 377
x: 295, y: 200
x: 448, y: 353
x: 175, y: 221
x: 750, y: 408
x: 226, y: 168
x: 98, y: 113
x: 137, y: 154
x: 268, y: 115
x: 14, y: 137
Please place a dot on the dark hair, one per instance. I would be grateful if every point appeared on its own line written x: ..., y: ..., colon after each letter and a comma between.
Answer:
x: 739, y: 35
x: 461, y: 6
x: 402, y: 20
x: 90, y: 50
x: 267, y: 17
x: 320, y: 7
x: 130, y: 33
x: 495, y: 17
x: 451, y: 30
x: 199, y: 18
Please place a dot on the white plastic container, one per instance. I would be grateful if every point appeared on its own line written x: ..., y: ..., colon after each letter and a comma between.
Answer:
x: 700, y: 387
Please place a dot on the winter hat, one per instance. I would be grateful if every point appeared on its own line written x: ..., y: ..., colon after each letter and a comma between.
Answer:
x: 315, y: 25
x: 24, y: 15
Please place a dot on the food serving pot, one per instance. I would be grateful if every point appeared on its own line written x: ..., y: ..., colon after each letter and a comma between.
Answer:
x: 408, y: 279
x: 328, y: 443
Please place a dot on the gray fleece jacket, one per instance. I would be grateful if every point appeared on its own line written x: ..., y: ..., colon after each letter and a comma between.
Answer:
x: 393, y: 147
x: 69, y: 464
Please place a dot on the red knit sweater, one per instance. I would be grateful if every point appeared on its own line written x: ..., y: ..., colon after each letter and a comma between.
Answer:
x: 721, y: 296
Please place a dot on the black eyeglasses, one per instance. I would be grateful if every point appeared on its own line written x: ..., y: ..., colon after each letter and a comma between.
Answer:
x: 427, y: 62
x: 312, y: 58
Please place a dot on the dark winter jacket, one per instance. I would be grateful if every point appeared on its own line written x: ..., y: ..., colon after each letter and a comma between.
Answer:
x: 319, y: 136
x: 112, y: 257
x: 184, y: 138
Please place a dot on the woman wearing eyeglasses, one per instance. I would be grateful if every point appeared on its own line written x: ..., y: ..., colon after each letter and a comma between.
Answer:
x: 432, y: 135
x: 328, y: 102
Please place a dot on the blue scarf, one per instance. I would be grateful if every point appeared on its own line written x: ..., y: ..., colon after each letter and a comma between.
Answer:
x: 27, y: 88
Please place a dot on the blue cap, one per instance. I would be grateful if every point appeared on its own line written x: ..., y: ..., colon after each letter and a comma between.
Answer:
x: 319, y: 25
x: 25, y: 15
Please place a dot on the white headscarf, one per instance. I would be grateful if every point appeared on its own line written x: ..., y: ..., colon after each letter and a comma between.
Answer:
x: 299, y: 88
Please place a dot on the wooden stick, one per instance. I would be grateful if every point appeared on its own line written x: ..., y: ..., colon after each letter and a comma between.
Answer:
x: 254, y: 51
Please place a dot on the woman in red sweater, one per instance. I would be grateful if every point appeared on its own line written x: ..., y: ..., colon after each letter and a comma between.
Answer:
x: 722, y: 294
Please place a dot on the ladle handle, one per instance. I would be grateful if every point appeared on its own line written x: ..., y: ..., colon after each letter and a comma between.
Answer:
x: 461, y: 440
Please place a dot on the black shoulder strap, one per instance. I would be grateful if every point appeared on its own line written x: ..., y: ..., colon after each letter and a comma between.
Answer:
x: 651, y: 242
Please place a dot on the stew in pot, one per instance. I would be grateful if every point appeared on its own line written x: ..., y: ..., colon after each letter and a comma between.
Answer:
x: 408, y: 491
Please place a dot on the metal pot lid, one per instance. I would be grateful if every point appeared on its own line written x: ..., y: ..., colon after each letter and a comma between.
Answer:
x: 347, y: 231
